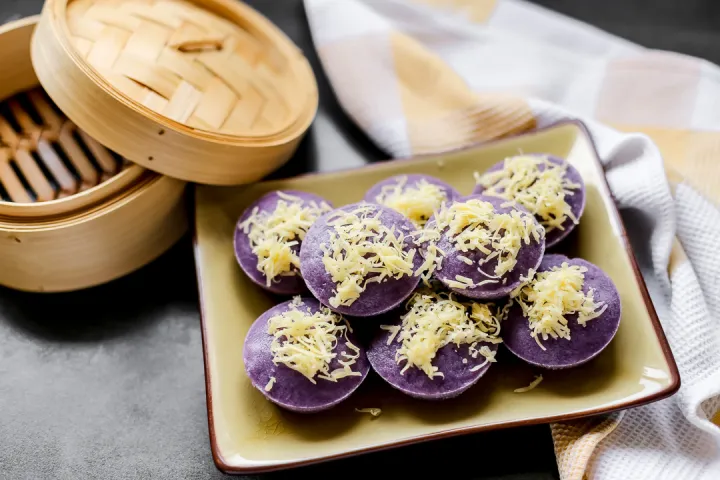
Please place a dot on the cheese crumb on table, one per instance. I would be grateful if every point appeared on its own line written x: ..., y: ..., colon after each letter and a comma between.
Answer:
x: 533, y: 384
x: 375, y: 412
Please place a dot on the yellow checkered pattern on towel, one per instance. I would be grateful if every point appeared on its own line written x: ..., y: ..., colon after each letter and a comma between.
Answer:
x: 419, y: 94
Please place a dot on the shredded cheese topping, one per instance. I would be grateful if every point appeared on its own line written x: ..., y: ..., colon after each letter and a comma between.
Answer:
x: 551, y: 296
x: 274, y: 236
x: 436, y: 319
x: 536, y: 183
x: 375, y: 412
x: 306, y: 342
x: 361, y: 250
x: 417, y: 202
x: 533, y: 384
x: 475, y: 226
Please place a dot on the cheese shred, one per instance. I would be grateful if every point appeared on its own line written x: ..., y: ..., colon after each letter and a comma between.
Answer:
x: 418, y: 202
x: 533, y: 384
x: 308, y: 342
x: 436, y: 319
x: 475, y: 227
x: 553, y: 295
x: 375, y: 412
x: 362, y: 250
x: 275, y: 236
x: 536, y: 183
x: 270, y: 384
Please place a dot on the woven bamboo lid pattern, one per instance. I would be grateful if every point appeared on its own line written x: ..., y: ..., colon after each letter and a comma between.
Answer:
x: 43, y: 156
x: 207, y: 91
x: 187, y: 64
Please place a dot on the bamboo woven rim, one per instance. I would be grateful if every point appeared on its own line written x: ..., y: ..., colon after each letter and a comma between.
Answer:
x: 191, y: 65
x: 47, y: 165
x: 41, y: 224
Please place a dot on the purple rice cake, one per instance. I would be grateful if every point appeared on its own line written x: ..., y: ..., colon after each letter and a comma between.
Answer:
x: 436, y: 347
x: 282, y: 367
x: 416, y: 196
x: 268, y: 237
x: 588, y: 306
x: 527, y: 178
x: 481, y: 247
x: 360, y: 260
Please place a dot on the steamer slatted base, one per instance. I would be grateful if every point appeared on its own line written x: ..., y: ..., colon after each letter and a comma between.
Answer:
x: 44, y: 156
x: 187, y: 64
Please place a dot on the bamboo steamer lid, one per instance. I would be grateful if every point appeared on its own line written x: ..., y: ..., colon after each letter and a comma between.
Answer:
x: 206, y: 91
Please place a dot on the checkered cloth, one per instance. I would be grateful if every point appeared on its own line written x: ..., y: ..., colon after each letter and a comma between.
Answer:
x: 424, y: 76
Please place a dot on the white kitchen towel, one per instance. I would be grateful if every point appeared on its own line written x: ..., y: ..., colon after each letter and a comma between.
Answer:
x: 424, y: 76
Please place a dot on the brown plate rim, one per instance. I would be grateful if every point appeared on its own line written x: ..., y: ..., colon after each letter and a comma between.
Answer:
x: 672, y: 388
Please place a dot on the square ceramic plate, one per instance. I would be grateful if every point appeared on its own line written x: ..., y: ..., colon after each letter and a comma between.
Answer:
x: 249, y: 434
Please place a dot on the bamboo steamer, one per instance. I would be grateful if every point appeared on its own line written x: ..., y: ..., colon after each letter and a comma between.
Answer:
x: 72, y: 214
x: 43, y: 138
x: 103, y: 244
x: 209, y: 91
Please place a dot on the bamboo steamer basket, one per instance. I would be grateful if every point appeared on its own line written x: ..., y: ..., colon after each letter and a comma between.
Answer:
x: 72, y: 214
x: 42, y: 138
x: 209, y: 91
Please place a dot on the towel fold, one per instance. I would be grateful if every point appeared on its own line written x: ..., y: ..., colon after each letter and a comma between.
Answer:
x: 422, y: 76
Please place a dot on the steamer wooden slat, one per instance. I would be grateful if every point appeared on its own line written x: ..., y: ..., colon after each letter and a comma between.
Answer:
x: 87, y: 171
x: 63, y: 176
x: 101, y: 154
x: 11, y: 182
x: 37, y: 180
x: 43, y: 135
x: 8, y: 135
x: 48, y: 114
x: 27, y: 125
x: 48, y: 142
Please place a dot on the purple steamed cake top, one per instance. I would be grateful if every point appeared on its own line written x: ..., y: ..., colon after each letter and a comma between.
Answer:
x: 377, y: 297
x: 529, y: 257
x: 411, y: 180
x: 576, y: 199
x: 415, y: 382
x: 248, y: 261
x: 292, y: 390
x: 585, y: 342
